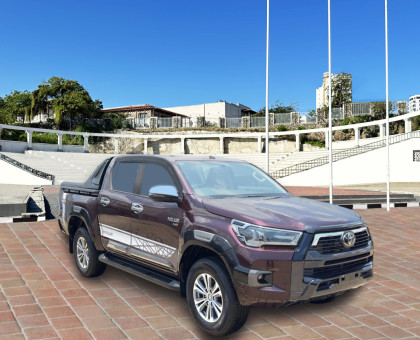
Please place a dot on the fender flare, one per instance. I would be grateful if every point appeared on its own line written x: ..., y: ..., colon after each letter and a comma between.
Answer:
x: 223, y: 249
x: 84, y: 216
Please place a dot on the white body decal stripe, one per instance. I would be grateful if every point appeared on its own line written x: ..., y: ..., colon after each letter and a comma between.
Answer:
x: 141, y: 243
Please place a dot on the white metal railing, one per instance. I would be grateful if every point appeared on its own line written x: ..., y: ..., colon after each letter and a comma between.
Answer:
x: 337, y: 113
x: 257, y: 122
x: 282, y: 118
x: 233, y: 122
x: 164, y: 123
x: 186, y: 122
x: 360, y: 109
x: 142, y: 122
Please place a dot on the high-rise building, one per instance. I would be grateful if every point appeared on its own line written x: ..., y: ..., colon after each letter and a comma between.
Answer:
x: 341, y: 90
x: 414, y: 103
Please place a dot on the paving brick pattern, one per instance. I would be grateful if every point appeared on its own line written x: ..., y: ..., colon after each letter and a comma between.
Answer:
x: 42, y: 296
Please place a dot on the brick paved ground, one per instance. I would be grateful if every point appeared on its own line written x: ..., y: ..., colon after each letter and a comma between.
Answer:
x: 43, y: 296
x: 316, y: 191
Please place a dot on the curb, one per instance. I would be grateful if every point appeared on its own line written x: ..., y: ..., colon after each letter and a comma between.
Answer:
x: 379, y: 205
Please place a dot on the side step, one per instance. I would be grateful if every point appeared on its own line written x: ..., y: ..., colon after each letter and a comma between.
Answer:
x: 144, y: 273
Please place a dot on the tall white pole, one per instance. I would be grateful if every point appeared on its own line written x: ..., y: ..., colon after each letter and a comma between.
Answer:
x: 267, y: 114
x: 387, y: 108
x: 329, y: 103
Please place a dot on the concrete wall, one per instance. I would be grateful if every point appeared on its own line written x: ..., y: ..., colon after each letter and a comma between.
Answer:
x: 369, y: 167
x: 20, y: 147
x: 9, y: 174
x: 208, y: 146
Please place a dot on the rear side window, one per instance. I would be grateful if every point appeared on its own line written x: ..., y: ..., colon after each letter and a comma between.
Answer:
x: 124, y: 176
x: 153, y: 175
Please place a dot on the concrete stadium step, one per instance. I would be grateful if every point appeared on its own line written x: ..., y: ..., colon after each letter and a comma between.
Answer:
x: 64, y: 166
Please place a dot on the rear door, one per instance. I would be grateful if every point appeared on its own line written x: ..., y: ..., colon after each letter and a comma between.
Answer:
x: 115, y: 210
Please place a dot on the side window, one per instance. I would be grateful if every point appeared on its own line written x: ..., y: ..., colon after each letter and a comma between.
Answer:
x: 153, y: 175
x: 124, y: 176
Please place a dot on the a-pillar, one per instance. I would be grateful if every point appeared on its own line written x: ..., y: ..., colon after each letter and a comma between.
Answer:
x: 259, y: 144
x: 182, y: 145
x: 145, y: 146
x: 297, y: 142
x: 85, y: 143
x: 29, y: 139
x: 407, y: 125
x: 116, y: 146
x: 356, y: 136
x: 222, y: 145
x: 60, y: 141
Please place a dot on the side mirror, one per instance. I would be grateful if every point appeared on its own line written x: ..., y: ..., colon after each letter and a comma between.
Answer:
x: 164, y: 193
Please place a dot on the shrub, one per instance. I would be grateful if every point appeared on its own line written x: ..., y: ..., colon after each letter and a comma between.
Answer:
x: 47, y: 137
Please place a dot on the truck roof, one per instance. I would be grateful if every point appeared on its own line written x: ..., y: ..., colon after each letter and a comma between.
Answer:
x: 174, y: 158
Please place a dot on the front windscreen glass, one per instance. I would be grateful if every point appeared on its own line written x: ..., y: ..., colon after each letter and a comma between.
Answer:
x: 224, y: 179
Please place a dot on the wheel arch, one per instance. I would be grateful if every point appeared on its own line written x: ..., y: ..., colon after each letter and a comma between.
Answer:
x: 79, y: 218
x: 197, y: 247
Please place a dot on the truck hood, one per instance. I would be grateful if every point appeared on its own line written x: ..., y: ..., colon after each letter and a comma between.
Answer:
x: 289, y: 212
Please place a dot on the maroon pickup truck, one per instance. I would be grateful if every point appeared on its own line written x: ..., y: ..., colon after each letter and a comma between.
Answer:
x: 222, y: 232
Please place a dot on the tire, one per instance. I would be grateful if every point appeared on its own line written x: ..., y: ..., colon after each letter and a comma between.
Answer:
x: 86, y: 255
x: 212, y: 299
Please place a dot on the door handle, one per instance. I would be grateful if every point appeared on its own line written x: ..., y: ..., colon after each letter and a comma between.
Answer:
x: 105, y: 201
x: 137, y: 208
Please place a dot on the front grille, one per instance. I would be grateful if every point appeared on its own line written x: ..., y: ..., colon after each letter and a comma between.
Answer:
x: 332, y: 244
x: 337, y: 270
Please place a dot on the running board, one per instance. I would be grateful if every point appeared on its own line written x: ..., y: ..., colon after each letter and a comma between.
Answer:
x: 142, y: 272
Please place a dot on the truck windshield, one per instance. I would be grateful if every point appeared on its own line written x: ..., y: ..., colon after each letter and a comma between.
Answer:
x: 224, y: 179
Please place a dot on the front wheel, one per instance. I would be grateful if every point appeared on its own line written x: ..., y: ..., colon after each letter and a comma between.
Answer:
x: 212, y: 299
x: 86, y: 255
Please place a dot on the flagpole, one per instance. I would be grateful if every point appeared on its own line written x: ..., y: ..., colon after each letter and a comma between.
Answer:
x: 387, y: 110
x: 267, y: 114
x: 329, y: 104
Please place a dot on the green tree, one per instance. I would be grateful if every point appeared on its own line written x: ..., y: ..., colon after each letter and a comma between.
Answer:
x: 341, y: 85
x: 15, y: 106
x: 278, y: 107
x: 67, y: 99
x: 378, y: 109
x: 312, y: 114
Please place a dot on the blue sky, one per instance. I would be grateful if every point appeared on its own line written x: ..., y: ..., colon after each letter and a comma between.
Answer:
x: 172, y: 53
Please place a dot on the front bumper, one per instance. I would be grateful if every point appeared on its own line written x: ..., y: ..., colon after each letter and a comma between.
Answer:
x: 309, y: 277
x: 315, y: 279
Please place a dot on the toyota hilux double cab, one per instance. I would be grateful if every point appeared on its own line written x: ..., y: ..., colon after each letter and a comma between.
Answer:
x: 221, y: 232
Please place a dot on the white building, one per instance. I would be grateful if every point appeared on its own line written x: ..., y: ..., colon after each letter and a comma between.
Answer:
x: 414, y: 103
x: 210, y: 111
x: 322, y: 92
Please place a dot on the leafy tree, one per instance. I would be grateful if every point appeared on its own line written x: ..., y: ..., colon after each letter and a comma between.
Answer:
x: 68, y: 100
x: 416, y: 123
x: 278, y: 107
x: 341, y: 85
x: 378, y: 109
x: 15, y: 107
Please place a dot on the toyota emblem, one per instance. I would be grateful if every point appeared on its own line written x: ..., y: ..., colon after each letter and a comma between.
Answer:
x: 348, y: 239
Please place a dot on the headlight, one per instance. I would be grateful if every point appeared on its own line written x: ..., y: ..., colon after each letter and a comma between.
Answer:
x: 257, y: 236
